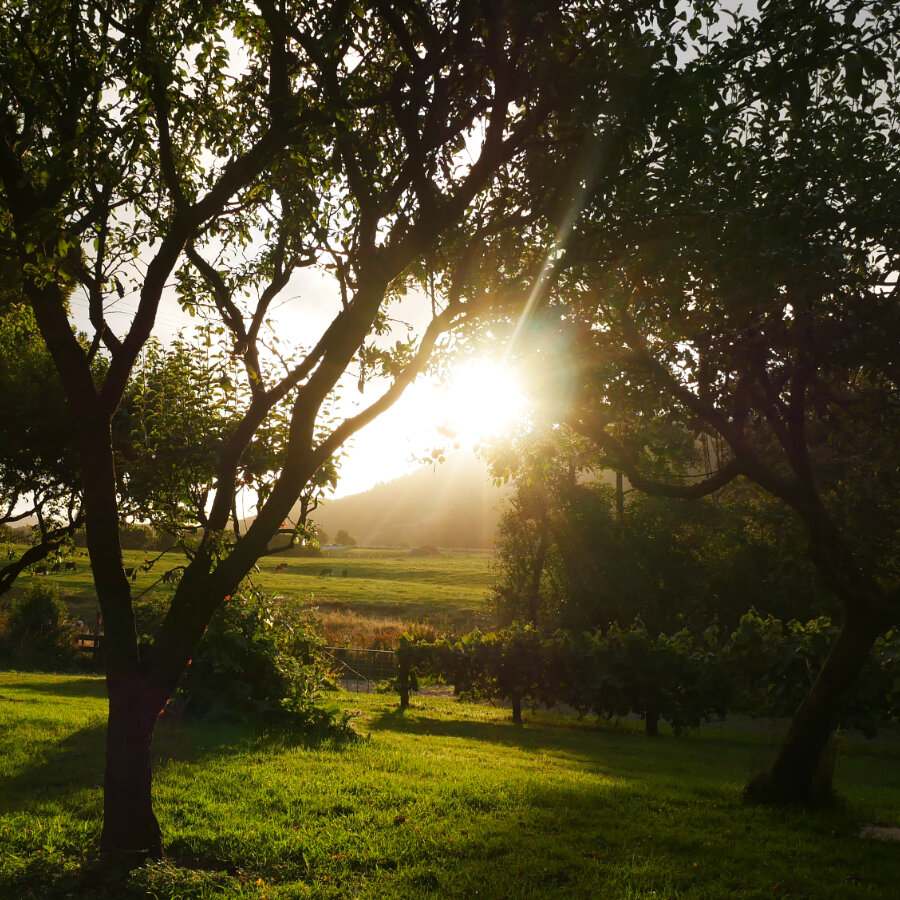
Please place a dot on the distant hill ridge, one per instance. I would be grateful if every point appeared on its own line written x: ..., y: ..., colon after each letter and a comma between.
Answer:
x: 454, y: 504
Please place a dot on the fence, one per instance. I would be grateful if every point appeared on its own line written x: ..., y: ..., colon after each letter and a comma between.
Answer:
x: 89, y: 642
x: 361, y: 670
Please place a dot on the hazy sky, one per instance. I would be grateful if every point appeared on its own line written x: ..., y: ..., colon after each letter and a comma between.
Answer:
x: 481, y: 399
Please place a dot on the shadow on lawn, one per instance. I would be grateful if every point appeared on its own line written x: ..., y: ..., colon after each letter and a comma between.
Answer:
x: 602, y: 838
x: 623, y: 752
x: 64, y: 768
x: 69, y: 686
x: 73, y: 765
x: 538, y: 738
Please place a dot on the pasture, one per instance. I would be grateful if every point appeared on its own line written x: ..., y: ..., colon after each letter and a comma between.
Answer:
x: 450, y: 800
x: 383, y: 593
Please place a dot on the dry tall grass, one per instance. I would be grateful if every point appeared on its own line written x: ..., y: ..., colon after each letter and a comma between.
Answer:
x: 345, y: 628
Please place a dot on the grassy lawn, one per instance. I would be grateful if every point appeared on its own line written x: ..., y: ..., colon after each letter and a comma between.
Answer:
x: 450, y: 589
x: 450, y: 800
x: 428, y: 588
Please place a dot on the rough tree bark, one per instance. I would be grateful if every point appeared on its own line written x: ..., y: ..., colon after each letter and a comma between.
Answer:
x: 802, y: 772
x: 130, y: 828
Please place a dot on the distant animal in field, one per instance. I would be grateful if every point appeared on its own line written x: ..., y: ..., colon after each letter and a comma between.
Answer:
x: 171, y: 576
x: 131, y: 573
x: 70, y: 566
x: 56, y: 568
x: 281, y: 567
x: 345, y: 573
x: 40, y: 570
x: 325, y: 573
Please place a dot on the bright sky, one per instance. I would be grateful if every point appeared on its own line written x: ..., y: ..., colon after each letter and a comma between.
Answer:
x: 479, y: 400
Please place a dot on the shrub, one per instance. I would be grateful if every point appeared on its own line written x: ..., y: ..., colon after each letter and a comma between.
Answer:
x: 261, y: 659
x: 765, y: 667
x: 38, y: 632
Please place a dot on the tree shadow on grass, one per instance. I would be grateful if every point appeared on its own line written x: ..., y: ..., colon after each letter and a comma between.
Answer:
x: 66, y: 778
x: 65, y: 767
x: 602, y: 749
x: 535, y: 738
x: 603, y: 838
x: 70, y: 765
x: 67, y: 686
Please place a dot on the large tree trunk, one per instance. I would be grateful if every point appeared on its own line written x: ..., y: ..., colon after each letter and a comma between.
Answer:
x: 803, y: 771
x: 131, y: 832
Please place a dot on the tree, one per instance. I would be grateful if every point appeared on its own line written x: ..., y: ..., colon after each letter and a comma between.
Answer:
x: 544, y: 467
x: 608, y: 559
x: 743, y: 294
x: 344, y: 539
x: 38, y: 467
x: 227, y: 148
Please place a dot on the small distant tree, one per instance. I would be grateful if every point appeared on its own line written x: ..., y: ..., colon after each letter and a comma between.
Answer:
x: 343, y: 539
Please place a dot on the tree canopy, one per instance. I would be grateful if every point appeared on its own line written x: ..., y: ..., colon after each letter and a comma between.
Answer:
x: 216, y: 151
x: 731, y: 309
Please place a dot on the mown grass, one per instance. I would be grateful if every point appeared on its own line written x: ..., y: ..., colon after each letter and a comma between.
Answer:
x: 449, y: 800
x: 435, y: 589
x: 450, y: 590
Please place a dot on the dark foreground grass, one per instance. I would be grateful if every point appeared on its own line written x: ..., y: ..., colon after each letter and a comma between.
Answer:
x: 449, y: 800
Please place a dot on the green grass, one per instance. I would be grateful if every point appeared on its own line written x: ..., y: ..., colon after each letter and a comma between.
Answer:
x: 452, y: 587
x: 430, y: 588
x: 450, y: 800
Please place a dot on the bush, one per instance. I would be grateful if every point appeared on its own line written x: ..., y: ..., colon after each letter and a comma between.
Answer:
x: 765, y: 667
x: 261, y: 659
x: 38, y: 632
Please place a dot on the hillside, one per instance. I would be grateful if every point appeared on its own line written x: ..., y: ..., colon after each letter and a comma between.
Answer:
x: 450, y: 505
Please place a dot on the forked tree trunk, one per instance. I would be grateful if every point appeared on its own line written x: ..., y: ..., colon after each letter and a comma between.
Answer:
x: 131, y: 831
x: 803, y: 771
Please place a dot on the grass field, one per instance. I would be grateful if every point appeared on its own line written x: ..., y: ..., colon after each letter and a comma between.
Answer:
x: 387, y: 589
x: 450, y: 800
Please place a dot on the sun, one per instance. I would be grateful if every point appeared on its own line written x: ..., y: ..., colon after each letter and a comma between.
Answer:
x: 477, y: 401
x: 483, y: 399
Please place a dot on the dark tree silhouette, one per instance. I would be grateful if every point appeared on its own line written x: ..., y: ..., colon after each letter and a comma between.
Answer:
x: 221, y: 149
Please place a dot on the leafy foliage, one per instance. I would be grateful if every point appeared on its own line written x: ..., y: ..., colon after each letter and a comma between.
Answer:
x: 574, y: 552
x: 38, y: 632
x: 260, y: 659
x: 764, y: 667
x: 38, y: 464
